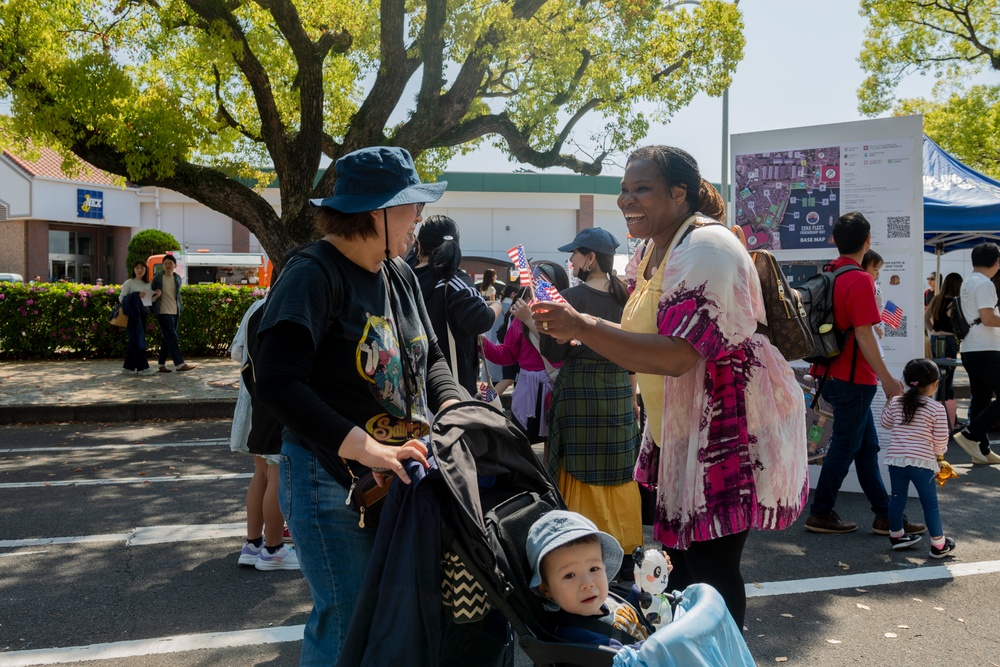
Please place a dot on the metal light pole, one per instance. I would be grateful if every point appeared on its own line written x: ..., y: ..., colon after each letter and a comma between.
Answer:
x: 724, y: 184
x: 725, y: 154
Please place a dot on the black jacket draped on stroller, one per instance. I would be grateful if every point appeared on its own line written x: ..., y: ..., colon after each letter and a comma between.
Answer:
x: 449, y: 569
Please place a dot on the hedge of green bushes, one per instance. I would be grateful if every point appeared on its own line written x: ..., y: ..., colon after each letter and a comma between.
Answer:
x: 53, y: 320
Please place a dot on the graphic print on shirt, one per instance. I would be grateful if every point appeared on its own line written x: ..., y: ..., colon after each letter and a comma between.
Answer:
x: 381, y: 365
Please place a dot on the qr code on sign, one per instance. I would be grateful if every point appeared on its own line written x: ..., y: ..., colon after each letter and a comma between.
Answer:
x: 898, y: 226
x: 889, y: 332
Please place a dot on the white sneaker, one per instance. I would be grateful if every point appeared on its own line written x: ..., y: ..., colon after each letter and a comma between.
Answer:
x: 284, y: 558
x: 971, y: 448
x: 249, y: 554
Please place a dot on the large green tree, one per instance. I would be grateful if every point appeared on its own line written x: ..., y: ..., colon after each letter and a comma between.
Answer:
x: 204, y: 96
x: 952, y: 40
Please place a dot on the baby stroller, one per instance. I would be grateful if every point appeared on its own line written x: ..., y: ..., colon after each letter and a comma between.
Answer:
x: 471, y: 511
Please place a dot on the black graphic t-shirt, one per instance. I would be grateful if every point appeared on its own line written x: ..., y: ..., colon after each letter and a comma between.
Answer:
x: 330, y: 357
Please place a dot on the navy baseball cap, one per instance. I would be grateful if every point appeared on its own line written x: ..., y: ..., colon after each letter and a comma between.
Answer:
x: 593, y: 238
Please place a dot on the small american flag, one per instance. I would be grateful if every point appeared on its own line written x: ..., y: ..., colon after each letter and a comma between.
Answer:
x: 487, y: 393
x: 516, y: 255
x: 545, y: 291
x: 892, y: 315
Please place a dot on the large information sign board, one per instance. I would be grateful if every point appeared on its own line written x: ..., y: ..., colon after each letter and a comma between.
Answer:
x: 791, y: 185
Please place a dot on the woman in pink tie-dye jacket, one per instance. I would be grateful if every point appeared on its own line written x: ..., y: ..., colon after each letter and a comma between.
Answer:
x: 725, y: 440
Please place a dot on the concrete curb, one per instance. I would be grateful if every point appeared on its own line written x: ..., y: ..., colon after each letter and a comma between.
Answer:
x: 117, y: 412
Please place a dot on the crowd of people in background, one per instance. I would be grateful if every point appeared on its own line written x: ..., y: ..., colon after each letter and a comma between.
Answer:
x: 655, y: 397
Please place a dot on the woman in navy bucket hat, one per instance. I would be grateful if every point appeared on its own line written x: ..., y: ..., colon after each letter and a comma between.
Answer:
x: 350, y: 365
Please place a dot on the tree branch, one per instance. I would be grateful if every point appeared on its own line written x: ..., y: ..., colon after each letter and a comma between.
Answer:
x: 429, y: 122
x: 223, y: 114
x: 204, y: 184
x: 432, y: 54
x: 667, y: 71
x: 272, y: 128
x: 517, y: 141
x: 395, y: 69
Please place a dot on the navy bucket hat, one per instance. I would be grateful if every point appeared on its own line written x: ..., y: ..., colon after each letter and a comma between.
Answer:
x: 595, y: 239
x: 378, y: 177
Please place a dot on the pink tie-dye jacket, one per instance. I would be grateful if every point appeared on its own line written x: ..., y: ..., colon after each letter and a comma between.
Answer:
x: 732, y: 451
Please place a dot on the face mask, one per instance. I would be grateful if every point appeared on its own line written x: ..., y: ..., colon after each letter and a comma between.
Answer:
x: 582, y: 274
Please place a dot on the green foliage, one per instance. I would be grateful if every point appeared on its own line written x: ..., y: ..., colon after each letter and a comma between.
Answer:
x: 149, y: 242
x: 966, y: 124
x: 204, y: 98
x: 46, y: 321
x: 949, y: 40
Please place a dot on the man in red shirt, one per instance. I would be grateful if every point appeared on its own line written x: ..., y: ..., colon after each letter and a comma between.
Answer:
x: 850, y: 386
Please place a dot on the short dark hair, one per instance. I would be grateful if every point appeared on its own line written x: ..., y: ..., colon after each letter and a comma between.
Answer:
x: 985, y: 255
x: 871, y: 258
x: 677, y: 167
x: 349, y: 225
x: 850, y: 232
x: 170, y: 257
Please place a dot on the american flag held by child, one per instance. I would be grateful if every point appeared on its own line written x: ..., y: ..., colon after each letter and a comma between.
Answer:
x: 541, y: 289
x: 517, y: 256
x: 892, y: 315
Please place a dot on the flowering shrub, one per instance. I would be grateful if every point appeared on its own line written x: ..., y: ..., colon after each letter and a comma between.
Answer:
x: 47, y: 320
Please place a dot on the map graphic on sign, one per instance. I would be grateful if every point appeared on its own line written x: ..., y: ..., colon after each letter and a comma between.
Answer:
x: 788, y: 199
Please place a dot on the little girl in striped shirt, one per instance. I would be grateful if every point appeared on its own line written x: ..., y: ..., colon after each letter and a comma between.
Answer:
x: 919, y: 426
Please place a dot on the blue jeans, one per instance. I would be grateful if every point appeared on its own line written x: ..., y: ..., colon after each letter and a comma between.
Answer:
x: 170, y: 345
x: 333, y: 551
x: 923, y: 482
x: 853, y: 440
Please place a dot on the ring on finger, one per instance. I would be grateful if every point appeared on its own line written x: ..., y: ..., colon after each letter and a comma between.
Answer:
x: 545, y: 326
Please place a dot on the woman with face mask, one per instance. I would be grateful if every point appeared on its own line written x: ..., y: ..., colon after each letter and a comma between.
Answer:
x: 593, y: 429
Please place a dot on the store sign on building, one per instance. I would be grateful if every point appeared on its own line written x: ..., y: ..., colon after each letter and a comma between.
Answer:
x: 89, y: 204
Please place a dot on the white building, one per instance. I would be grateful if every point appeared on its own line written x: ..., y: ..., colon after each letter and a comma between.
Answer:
x: 54, y: 225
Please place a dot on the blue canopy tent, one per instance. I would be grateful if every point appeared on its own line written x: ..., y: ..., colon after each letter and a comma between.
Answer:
x: 961, y: 206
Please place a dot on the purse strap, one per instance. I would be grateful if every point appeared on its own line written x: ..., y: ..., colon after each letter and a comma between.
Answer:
x: 533, y: 337
x: 452, y: 352
x: 486, y: 366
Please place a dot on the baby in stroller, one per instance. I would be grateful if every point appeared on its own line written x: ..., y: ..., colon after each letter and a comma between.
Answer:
x: 570, y: 561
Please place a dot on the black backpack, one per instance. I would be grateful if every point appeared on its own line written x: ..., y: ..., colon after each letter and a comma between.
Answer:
x: 817, y: 301
x: 265, y: 429
x: 958, y: 321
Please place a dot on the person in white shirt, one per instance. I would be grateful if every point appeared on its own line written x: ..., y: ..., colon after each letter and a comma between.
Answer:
x: 135, y: 349
x: 981, y: 353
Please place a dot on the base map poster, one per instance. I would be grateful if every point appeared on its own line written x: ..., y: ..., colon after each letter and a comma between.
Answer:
x: 789, y: 199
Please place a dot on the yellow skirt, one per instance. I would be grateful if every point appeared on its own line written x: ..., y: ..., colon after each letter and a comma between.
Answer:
x: 617, y: 510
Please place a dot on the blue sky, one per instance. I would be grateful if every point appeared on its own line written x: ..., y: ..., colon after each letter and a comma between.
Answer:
x: 790, y: 44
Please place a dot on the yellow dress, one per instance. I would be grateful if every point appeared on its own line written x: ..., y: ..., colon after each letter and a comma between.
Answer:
x: 640, y: 317
x: 617, y: 510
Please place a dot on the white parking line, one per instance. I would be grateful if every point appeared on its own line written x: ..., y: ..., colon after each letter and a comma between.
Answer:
x: 157, y: 646
x: 135, y: 445
x: 127, y: 480
x: 947, y: 571
x: 141, y: 536
x: 179, y: 643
